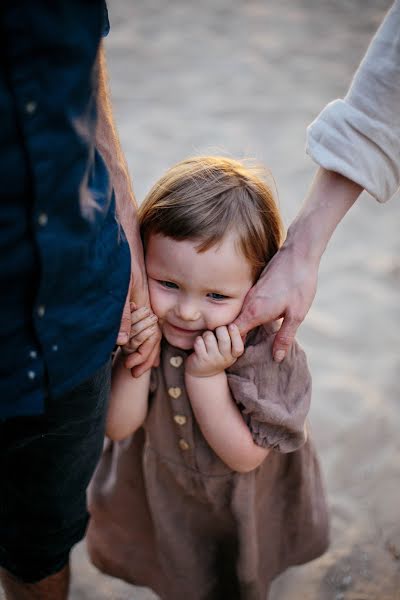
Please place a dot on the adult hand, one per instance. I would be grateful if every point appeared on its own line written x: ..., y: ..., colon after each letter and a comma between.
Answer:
x: 146, y: 356
x: 108, y: 144
x: 286, y: 288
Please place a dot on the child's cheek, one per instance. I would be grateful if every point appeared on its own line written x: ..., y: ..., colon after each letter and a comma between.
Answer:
x: 223, y: 314
x: 158, y: 302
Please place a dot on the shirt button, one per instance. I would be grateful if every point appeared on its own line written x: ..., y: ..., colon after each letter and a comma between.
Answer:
x: 180, y: 419
x: 183, y: 445
x: 30, y: 107
x: 54, y: 347
x: 43, y: 219
x: 41, y: 309
x: 176, y: 361
x: 174, y: 392
x: 31, y: 374
x: 33, y: 354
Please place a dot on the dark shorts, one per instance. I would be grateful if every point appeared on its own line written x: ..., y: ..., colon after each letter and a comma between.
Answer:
x: 46, y: 463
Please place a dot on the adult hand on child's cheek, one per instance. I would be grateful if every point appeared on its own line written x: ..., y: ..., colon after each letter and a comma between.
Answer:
x: 286, y: 288
x: 213, y: 353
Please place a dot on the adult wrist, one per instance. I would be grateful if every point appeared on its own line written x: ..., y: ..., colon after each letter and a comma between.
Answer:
x: 330, y: 197
x: 303, y: 242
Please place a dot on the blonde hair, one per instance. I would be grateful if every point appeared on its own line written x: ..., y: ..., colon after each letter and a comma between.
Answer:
x: 202, y: 198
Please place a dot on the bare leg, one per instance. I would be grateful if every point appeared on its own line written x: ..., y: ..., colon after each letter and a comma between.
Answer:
x: 54, y: 587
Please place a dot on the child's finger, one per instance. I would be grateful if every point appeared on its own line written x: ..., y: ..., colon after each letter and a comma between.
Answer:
x: 200, y: 348
x: 136, y: 341
x: 144, y: 335
x: 210, y: 342
x: 145, y: 349
x: 151, y: 361
x: 236, y: 341
x: 143, y: 324
x: 139, y: 314
x: 224, y: 340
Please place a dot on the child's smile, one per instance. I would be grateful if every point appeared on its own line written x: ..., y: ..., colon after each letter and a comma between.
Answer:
x: 192, y: 291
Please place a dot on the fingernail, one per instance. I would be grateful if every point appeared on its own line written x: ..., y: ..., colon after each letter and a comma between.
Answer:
x: 279, y: 355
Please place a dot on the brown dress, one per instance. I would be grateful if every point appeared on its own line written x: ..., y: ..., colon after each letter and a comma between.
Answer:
x: 169, y: 514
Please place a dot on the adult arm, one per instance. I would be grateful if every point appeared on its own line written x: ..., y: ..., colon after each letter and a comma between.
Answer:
x: 287, y: 286
x: 356, y: 142
x: 109, y: 146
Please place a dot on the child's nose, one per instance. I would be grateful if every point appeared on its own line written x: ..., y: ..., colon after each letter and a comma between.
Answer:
x: 188, y: 311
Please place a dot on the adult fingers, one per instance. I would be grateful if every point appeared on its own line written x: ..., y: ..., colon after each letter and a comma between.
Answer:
x: 285, y: 337
x: 125, y: 325
x: 257, y: 310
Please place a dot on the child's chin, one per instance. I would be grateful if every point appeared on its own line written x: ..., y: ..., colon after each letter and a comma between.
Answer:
x: 179, y: 341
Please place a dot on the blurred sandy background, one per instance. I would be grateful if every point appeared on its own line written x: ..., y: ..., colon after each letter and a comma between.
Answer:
x: 245, y: 78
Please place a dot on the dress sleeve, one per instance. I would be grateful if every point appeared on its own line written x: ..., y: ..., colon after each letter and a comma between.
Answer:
x: 274, y: 398
x: 359, y: 136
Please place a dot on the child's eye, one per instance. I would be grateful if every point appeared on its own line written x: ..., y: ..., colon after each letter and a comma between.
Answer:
x: 216, y: 296
x: 168, y: 284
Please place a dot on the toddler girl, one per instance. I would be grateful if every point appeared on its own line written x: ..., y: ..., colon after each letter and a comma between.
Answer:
x: 221, y: 490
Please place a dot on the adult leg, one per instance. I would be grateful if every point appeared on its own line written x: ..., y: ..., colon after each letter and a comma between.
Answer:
x: 54, y: 587
x: 46, y: 463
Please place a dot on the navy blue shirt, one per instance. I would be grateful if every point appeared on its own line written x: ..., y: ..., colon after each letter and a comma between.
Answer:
x: 64, y: 266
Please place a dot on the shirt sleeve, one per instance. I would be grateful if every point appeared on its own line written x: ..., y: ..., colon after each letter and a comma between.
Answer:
x: 106, y: 20
x: 359, y: 136
x: 274, y: 398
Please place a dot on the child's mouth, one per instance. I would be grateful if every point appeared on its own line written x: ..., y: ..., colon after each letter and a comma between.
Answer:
x: 185, y: 331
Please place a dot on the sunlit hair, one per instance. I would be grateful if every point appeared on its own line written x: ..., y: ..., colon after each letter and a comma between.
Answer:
x: 203, y: 198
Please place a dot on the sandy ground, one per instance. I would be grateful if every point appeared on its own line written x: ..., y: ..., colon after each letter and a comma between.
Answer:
x: 245, y: 78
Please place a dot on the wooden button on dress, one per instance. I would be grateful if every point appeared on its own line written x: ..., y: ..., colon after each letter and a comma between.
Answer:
x: 180, y: 419
x: 174, y: 392
x: 176, y: 361
x: 183, y: 445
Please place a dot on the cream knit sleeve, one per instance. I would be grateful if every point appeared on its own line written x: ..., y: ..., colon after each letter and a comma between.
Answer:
x: 359, y: 136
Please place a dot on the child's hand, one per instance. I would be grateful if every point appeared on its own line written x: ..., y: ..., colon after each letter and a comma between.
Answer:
x: 212, y: 354
x: 143, y: 326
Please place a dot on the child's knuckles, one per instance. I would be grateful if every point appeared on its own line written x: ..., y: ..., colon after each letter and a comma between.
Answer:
x: 237, y: 351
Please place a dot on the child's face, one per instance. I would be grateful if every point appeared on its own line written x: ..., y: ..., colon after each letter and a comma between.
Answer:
x: 191, y: 292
